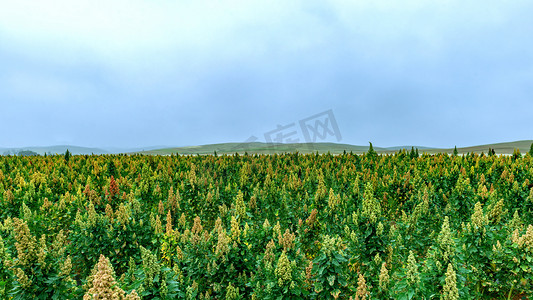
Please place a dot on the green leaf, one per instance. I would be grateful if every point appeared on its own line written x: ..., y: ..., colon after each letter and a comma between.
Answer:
x: 331, y: 280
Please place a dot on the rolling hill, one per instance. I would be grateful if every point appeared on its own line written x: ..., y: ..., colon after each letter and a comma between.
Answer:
x: 271, y: 148
x: 333, y: 148
x: 59, y: 149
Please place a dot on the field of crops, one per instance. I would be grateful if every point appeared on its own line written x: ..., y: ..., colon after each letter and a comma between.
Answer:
x: 285, y: 226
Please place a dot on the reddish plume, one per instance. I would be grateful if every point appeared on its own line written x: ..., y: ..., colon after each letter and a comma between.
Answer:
x: 113, y: 187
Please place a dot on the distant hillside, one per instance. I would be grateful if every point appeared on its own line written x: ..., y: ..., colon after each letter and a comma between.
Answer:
x: 333, y: 148
x: 268, y: 148
x: 395, y: 148
x: 59, y: 149
x: 262, y: 148
x: 500, y: 148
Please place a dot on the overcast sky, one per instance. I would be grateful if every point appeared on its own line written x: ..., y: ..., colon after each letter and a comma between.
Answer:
x: 129, y: 73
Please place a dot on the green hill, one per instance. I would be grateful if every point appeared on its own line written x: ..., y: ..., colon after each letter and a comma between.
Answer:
x: 262, y: 148
x: 500, y: 148
x: 269, y: 148
x: 59, y: 149
x: 333, y: 148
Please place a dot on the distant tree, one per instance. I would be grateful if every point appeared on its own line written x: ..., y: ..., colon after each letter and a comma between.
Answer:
x: 416, y: 152
x: 215, y: 153
x: 531, y: 150
x: 413, y: 154
x: 516, y: 153
x: 27, y: 153
x: 455, y: 152
x: 371, y: 151
x: 67, y: 155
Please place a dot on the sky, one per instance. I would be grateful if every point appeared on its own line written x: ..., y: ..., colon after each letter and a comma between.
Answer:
x: 133, y: 73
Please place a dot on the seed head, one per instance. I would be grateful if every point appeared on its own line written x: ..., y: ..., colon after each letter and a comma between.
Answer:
x: 371, y: 206
x: 383, y: 277
x: 158, y: 227
x: 22, y: 278
x: 232, y: 292
x: 240, y: 207
x: 362, y: 289
x: 109, y: 212
x: 450, y: 291
x: 268, y: 257
x: 103, y: 283
x: 133, y: 296
x: 169, y: 224
x: 283, y: 270
x: 43, y: 251
x: 222, y: 244
x: 66, y: 267
x: 235, y: 229
x: 311, y: 220
x: 445, y: 240
x: 150, y: 265
x: 478, y: 219
x: 123, y: 213
x: 287, y: 241
x: 412, y: 269
x: 25, y: 242
x: 266, y: 225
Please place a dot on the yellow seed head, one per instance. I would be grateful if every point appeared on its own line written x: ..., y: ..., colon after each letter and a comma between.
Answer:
x: 240, y: 207
x: 232, y: 292
x: 283, y: 269
x: 384, y: 277
x: 445, y: 240
x: 66, y: 267
x: 158, y: 227
x: 222, y: 244
x: 25, y: 242
x: 287, y: 241
x: 103, y: 284
x: 123, y: 213
x: 266, y: 225
x: 169, y: 229
x: 235, y: 229
x: 412, y: 269
x: 109, y: 212
x: 150, y: 265
x: 450, y: 291
x: 268, y: 257
x: 22, y: 278
x: 371, y: 206
x: 362, y: 289
x: 478, y: 219
x: 92, y: 216
x: 43, y: 251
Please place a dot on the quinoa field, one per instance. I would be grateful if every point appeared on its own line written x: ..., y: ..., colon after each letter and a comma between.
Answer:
x: 282, y: 226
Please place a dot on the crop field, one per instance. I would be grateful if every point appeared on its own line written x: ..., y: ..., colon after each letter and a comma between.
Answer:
x: 282, y: 226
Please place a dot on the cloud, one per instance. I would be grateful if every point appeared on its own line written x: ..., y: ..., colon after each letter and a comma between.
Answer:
x: 204, y: 71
